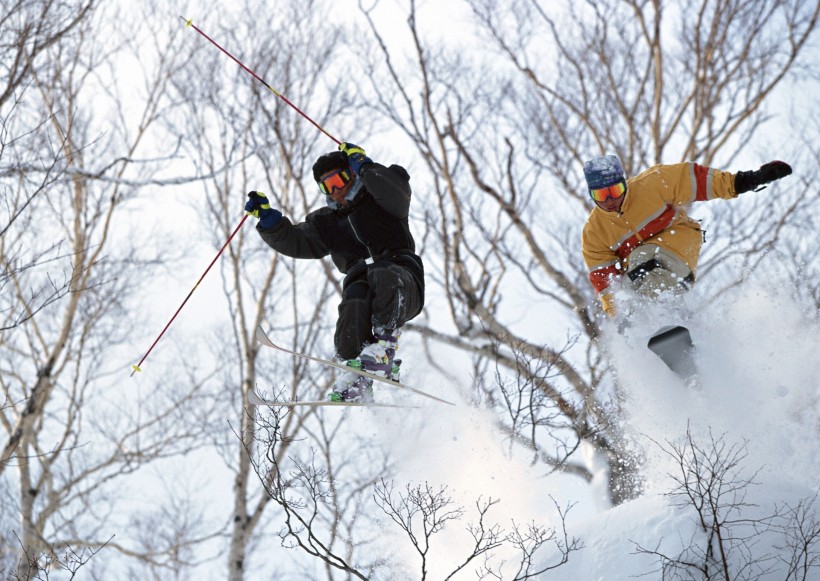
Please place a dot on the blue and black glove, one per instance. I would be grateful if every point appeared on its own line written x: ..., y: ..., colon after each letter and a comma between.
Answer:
x: 768, y: 172
x: 259, y: 207
x: 356, y: 157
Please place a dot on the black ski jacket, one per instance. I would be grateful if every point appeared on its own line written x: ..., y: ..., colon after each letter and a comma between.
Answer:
x: 373, y: 226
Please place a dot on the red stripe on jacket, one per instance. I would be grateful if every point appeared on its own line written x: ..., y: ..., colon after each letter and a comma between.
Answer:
x: 654, y: 227
x: 600, y: 277
x: 701, y: 173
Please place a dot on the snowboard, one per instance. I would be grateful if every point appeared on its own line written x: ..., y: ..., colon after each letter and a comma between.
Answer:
x: 674, y: 346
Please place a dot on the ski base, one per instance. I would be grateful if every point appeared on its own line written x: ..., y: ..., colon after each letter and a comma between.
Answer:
x: 255, y: 399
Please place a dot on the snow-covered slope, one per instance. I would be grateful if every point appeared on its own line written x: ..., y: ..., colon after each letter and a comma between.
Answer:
x: 757, y: 352
x: 759, y: 399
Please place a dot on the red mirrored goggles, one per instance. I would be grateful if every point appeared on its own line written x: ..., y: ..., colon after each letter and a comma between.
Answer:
x: 335, y: 181
x: 614, y: 191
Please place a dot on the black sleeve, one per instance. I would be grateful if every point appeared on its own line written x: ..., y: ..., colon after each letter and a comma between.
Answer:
x: 300, y: 240
x: 389, y: 186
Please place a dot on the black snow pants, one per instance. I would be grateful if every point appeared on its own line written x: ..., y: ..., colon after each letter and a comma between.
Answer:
x: 382, y: 294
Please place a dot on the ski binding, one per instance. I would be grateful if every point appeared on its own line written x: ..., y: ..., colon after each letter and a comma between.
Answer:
x: 256, y: 400
x: 263, y: 339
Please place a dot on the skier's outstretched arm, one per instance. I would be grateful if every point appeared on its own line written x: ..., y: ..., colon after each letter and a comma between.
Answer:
x: 300, y: 240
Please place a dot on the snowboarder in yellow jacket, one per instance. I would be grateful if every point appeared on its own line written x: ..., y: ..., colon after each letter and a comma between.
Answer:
x: 639, y: 227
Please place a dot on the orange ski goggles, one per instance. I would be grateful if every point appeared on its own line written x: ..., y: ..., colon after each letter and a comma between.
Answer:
x: 603, y: 194
x: 335, y: 181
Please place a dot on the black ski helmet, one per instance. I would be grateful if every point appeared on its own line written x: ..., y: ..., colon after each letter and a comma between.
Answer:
x: 329, y: 162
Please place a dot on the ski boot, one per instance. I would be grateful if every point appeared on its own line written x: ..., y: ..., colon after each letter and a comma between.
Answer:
x: 352, y: 387
x: 376, y: 358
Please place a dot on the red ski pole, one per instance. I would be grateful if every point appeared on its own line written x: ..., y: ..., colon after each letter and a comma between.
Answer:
x: 190, y: 22
x: 218, y: 254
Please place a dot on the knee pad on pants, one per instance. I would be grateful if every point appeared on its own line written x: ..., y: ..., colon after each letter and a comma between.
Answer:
x: 395, y: 296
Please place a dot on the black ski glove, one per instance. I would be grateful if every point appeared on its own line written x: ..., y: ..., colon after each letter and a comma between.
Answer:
x: 356, y: 157
x: 752, y: 180
x: 259, y: 207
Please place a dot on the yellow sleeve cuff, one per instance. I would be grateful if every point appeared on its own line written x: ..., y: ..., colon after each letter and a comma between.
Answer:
x: 608, y: 303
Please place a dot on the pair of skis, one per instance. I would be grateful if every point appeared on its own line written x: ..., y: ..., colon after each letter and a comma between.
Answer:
x: 254, y: 399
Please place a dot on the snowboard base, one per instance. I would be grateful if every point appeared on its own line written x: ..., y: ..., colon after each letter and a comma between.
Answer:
x: 675, y: 348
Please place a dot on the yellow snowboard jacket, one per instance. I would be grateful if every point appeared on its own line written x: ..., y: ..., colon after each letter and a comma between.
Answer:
x: 652, y: 212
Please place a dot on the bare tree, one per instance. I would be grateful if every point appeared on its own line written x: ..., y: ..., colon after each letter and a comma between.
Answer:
x: 422, y: 512
x: 503, y: 140
x: 711, y: 480
x: 29, y: 32
x: 70, y: 257
x: 319, y: 493
x: 40, y: 567
x: 801, y: 539
x: 532, y: 538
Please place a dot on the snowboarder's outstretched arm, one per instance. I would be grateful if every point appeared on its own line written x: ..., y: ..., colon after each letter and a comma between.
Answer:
x: 708, y: 183
x: 688, y: 182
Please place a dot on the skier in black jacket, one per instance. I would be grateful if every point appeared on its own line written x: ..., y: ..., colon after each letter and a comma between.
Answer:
x: 365, y: 230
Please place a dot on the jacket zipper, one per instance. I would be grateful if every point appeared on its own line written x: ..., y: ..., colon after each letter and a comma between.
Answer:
x: 356, y: 234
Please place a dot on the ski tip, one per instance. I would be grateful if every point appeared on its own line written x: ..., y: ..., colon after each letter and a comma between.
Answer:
x: 254, y: 399
x: 261, y: 336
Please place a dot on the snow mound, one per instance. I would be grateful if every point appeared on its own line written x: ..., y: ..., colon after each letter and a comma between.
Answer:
x: 758, y: 397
